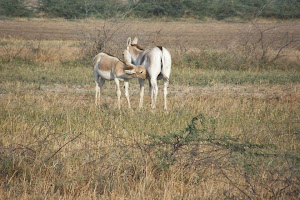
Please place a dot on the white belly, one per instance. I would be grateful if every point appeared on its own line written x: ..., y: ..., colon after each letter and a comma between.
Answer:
x: 107, y: 75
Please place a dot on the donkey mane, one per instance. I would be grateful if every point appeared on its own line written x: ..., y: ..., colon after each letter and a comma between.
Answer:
x: 160, y: 47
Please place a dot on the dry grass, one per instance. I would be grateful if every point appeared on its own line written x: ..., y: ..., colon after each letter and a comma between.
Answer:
x: 38, y: 50
x: 55, y: 144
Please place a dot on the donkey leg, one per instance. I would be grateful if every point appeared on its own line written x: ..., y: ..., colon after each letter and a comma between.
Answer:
x: 142, y: 89
x: 126, y: 84
x: 150, y: 88
x: 118, y: 92
x: 166, y: 84
x: 153, y: 92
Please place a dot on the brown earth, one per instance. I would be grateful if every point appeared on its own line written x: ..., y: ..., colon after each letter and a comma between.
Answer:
x: 187, y: 34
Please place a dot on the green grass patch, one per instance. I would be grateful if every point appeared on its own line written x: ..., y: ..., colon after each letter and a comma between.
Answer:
x: 198, y: 77
x: 80, y: 72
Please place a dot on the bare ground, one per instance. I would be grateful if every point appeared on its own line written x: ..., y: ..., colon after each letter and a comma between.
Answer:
x: 262, y: 92
x: 192, y: 34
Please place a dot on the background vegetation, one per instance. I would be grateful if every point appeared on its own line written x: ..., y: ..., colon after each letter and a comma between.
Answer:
x: 198, y: 9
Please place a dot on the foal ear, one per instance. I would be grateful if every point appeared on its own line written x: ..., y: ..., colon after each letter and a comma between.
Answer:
x: 130, y: 72
x: 128, y: 41
x: 135, y: 40
x: 128, y: 66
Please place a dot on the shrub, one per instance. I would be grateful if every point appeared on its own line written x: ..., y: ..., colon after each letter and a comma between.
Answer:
x: 199, y: 147
x: 71, y: 9
x: 216, y: 9
x: 14, y: 8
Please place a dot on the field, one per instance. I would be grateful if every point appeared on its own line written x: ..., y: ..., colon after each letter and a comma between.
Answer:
x: 231, y: 130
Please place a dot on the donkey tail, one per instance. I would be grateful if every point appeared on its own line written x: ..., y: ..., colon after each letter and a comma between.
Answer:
x: 165, y: 62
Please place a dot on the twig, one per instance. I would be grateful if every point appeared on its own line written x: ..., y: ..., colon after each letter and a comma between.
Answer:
x: 283, y: 47
x: 224, y: 174
x: 130, y: 10
x: 60, y: 148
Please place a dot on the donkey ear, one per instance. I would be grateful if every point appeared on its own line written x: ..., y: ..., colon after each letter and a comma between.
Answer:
x: 130, y: 71
x: 128, y: 41
x: 135, y: 40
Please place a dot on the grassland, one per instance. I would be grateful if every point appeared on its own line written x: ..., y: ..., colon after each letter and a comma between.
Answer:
x: 232, y: 130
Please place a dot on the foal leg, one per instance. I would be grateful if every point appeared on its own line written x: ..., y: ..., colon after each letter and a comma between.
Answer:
x: 96, y: 77
x: 98, y: 88
x: 118, y: 92
x: 102, y: 81
x: 126, y: 84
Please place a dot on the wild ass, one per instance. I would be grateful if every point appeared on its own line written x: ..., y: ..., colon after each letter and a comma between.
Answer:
x: 111, y: 68
x: 158, y: 64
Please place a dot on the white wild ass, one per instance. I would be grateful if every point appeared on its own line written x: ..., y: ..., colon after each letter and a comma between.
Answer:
x: 111, y: 68
x: 158, y: 64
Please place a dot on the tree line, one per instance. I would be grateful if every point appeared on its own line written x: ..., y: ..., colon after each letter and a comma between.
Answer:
x: 198, y: 9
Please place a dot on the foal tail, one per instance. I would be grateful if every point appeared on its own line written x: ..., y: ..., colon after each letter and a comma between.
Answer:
x: 165, y: 63
x: 96, y: 62
x: 96, y: 59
